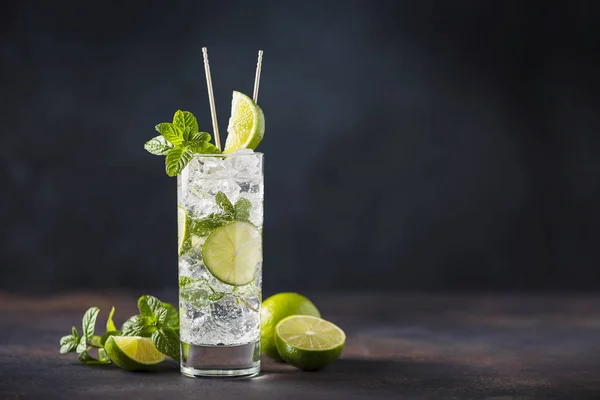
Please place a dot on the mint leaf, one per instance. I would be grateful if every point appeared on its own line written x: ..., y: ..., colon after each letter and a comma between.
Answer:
x: 81, y: 346
x: 172, y: 319
x: 89, y: 322
x: 137, y: 326
x: 110, y: 325
x: 68, y: 344
x: 197, y: 147
x: 200, y: 137
x: 170, y: 132
x: 216, y: 296
x: 193, y: 291
x: 185, y: 281
x: 242, y: 210
x: 152, y: 309
x: 239, y: 212
x: 185, y: 121
x: 199, y: 143
x: 176, y: 160
x: 85, y: 358
x: 75, y: 333
x: 210, y: 148
x: 161, y: 316
x: 224, y: 203
x: 167, y: 342
x: 195, y: 299
x: 195, y: 296
x: 198, y: 292
x: 158, y: 146
x: 208, y: 224
x: 148, y: 305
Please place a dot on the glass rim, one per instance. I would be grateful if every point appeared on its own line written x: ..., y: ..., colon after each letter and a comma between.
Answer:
x: 222, y: 155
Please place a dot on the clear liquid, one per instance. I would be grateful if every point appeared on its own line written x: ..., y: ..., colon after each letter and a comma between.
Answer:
x: 241, y: 360
x: 219, y: 323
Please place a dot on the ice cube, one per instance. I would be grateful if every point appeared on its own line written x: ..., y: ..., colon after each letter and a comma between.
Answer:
x: 243, y: 151
x: 242, y: 165
x: 211, y: 167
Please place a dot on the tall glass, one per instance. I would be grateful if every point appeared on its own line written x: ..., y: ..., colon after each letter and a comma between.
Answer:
x: 220, y: 263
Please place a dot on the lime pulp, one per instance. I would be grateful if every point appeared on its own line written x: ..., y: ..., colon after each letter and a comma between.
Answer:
x: 309, y: 343
x: 133, y: 353
x: 246, y: 125
x: 276, y: 308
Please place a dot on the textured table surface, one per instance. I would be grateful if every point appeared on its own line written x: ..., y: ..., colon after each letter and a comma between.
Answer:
x: 399, y: 346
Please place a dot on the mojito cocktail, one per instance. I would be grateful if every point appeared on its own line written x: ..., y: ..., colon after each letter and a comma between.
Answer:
x: 220, y: 219
x: 220, y: 197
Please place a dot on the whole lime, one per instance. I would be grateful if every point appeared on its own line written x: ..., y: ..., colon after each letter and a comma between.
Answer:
x: 276, y: 308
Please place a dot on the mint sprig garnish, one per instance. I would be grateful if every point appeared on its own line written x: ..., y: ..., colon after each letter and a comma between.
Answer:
x: 84, y: 343
x: 157, y: 320
x: 179, y: 141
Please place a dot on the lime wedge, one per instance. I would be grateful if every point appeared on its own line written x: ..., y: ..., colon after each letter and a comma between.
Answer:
x: 246, y: 125
x: 233, y: 252
x: 133, y: 353
x: 182, y: 230
x: 307, y: 342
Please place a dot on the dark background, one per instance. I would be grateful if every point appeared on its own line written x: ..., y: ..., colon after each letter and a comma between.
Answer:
x: 409, y: 145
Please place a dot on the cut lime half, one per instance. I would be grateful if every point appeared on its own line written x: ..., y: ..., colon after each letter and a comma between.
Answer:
x: 307, y: 342
x: 133, y: 353
x: 246, y: 125
x: 233, y: 252
x: 276, y: 308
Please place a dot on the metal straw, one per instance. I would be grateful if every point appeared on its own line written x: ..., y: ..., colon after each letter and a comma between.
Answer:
x: 211, y: 99
x: 257, y: 77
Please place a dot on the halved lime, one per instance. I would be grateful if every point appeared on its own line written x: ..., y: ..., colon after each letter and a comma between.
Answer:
x: 182, y: 229
x: 133, y: 353
x: 246, y: 125
x: 276, y: 308
x: 233, y: 252
x: 309, y: 343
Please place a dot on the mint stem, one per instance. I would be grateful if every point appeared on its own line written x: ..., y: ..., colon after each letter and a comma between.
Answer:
x: 247, y: 304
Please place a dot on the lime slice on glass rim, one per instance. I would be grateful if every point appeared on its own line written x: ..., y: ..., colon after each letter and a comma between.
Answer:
x: 246, y: 125
x: 307, y: 342
x: 133, y: 353
x: 232, y: 253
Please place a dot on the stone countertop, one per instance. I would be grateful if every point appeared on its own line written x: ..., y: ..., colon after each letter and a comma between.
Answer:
x: 421, y: 346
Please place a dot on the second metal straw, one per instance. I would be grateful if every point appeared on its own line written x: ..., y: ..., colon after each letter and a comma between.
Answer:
x: 257, y: 76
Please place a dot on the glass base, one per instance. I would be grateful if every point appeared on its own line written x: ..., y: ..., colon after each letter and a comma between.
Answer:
x: 220, y: 361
